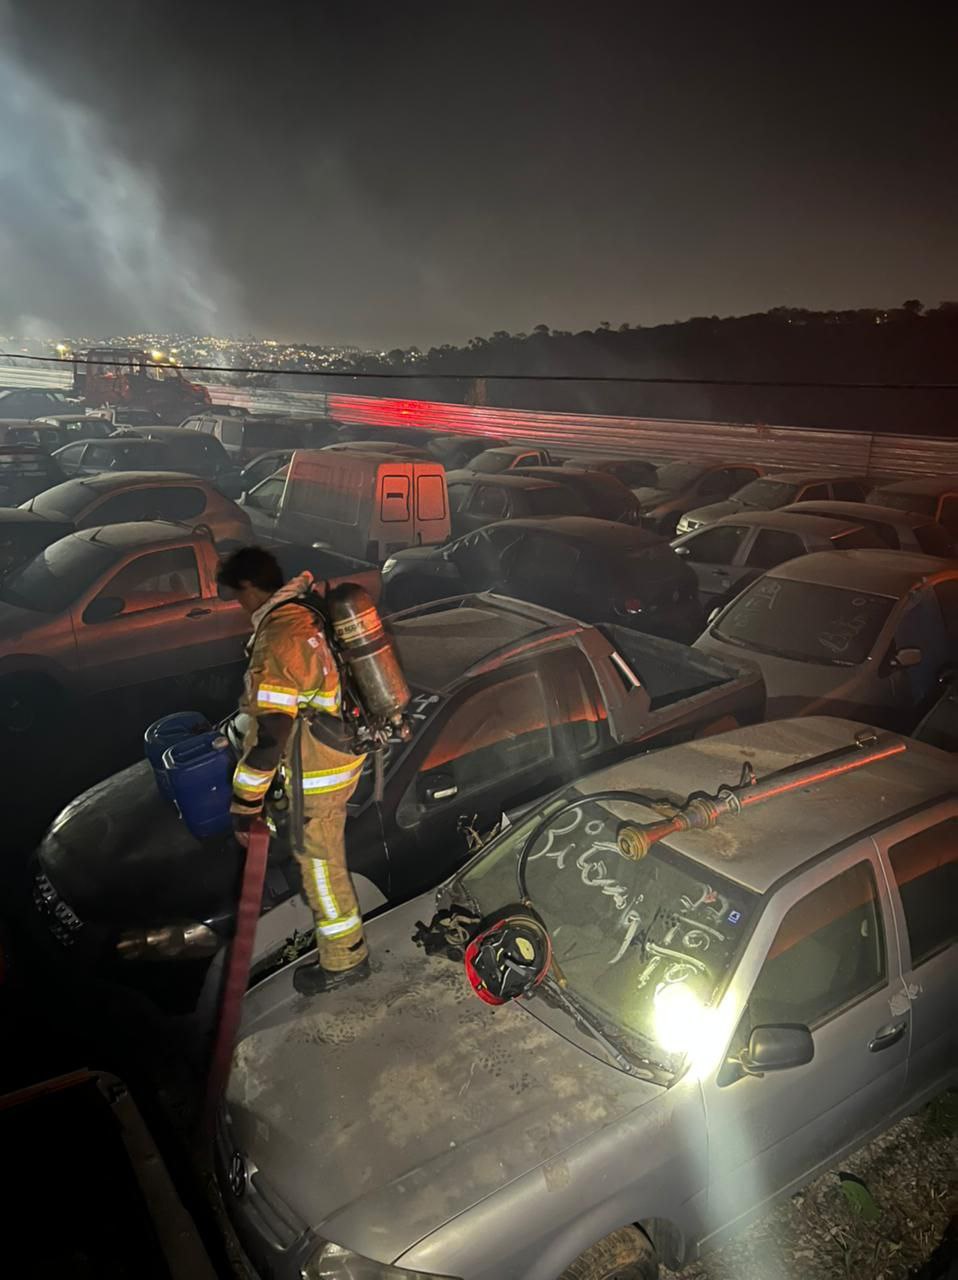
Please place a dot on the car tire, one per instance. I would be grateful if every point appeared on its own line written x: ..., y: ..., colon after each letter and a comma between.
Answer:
x: 27, y: 702
x: 626, y: 1254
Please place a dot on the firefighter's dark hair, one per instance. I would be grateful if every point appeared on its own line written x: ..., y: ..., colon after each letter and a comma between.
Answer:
x: 253, y: 565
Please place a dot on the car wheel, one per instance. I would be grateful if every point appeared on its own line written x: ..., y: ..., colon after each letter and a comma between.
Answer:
x: 27, y: 702
x: 626, y: 1254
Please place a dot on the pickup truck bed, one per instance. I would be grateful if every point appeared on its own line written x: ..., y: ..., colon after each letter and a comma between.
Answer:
x: 668, y: 671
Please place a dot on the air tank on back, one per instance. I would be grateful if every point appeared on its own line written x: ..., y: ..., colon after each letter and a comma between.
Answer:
x: 369, y: 653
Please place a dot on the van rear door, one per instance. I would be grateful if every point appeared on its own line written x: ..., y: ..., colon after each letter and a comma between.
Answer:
x: 431, y: 507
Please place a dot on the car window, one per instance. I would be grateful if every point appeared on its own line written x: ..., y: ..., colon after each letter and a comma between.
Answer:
x: 577, y: 710
x: 925, y: 503
x: 100, y: 455
x: 848, y: 490
x: 812, y: 493
x: 925, y: 866
x: 430, y: 497
x: 70, y: 454
x: 176, y: 503
x: 805, y: 621
x: 946, y: 593
x: 229, y: 432
x: 541, y: 563
x: 458, y: 495
x: 498, y: 732
x: 491, y: 461
x: 948, y: 515
x: 394, y: 504
x: 855, y: 539
x: 828, y: 953
x: 716, y: 485
x: 718, y: 545
x: 488, y: 500
x: 58, y: 576
x: 130, y: 504
x: 268, y: 495
x: 934, y: 540
x: 158, y: 578
x: 772, y: 547
x: 553, y: 502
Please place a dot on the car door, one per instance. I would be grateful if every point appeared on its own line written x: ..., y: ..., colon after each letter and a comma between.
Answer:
x: 540, y: 570
x: 948, y: 512
x: 906, y: 691
x: 770, y: 547
x: 920, y: 855
x: 714, y: 554
x: 263, y: 503
x: 158, y: 627
x: 491, y: 747
x: 824, y: 954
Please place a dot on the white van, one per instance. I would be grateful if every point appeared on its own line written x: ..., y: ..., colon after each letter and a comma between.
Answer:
x: 361, y: 504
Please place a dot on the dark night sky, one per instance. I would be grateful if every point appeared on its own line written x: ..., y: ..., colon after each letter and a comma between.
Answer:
x: 397, y: 173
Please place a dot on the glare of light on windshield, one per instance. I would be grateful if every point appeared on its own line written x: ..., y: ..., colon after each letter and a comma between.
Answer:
x: 686, y: 1028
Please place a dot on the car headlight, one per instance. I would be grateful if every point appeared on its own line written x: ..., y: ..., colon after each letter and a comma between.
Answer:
x: 333, y: 1262
x: 188, y: 940
x: 388, y: 564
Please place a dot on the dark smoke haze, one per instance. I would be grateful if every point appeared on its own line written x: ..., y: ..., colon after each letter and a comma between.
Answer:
x: 388, y: 174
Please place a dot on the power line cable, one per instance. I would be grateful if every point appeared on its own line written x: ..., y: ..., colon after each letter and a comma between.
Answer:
x: 401, y: 375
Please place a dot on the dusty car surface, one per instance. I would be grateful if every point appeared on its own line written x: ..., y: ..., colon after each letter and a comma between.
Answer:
x: 778, y: 490
x: 478, y: 500
x: 857, y: 633
x: 31, y: 402
x: 679, y: 486
x: 144, y: 495
x: 725, y: 1016
x: 898, y: 530
x: 734, y: 550
x: 509, y: 457
x: 934, y: 496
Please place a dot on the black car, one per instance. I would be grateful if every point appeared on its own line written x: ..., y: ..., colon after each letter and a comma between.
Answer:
x: 175, y: 451
x: 595, y: 570
x: 477, y: 500
x: 606, y: 497
x: 199, y: 455
x: 24, y: 534
x: 25, y: 471
x: 31, y: 402
x: 633, y: 472
x: 939, y: 728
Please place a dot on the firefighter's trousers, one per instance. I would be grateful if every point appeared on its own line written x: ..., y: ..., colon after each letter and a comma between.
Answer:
x: 329, y: 778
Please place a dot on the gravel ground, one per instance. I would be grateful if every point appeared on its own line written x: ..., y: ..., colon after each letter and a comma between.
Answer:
x: 911, y: 1172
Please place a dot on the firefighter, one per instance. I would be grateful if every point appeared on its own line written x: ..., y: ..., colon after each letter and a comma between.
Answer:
x: 292, y: 700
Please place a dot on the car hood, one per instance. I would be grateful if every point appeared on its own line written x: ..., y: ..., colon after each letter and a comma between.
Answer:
x: 413, y: 555
x: 120, y: 855
x: 380, y: 1112
x: 715, y: 510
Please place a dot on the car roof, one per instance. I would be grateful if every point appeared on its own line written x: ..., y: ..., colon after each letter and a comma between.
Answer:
x: 610, y: 534
x: 823, y: 473
x: 883, y: 572
x: 791, y: 520
x: 106, y: 480
x: 511, y: 479
x: 861, y: 511
x: 161, y: 431
x: 120, y: 442
x: 775, y: 839
x: 20, y: 516
x: 54, y: 419
x: 136, y: 533
x: 922, y: 484
x: 440, y: 644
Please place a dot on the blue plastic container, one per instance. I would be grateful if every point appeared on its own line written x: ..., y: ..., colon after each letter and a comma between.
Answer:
x: 200, y: 774
x: 163, y: 734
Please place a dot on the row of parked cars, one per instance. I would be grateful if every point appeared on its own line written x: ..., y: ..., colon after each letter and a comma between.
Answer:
x: 737, y: 1009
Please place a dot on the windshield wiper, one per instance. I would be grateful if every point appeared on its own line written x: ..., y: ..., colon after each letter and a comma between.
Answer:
x: 591, y: 1026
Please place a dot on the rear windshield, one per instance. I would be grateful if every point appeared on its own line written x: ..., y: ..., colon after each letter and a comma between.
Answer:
x: 553, y: 502
x: 275, y: 435
x: 59, y: 575
x: 926, y: 503
x: 63, y: 501
x: 27, y: 464
x: 677, y: 476
x: 806, y: 621
x: 766, y: 495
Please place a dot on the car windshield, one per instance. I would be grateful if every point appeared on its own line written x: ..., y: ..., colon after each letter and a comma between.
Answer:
x: 766, y: 495
x: 643, y: 946
x: 925, y: 503
x: 57, y: 577
x: 491, y: 461
x: 806, y: 621
x: 677, y: 476
x: 422, y: 707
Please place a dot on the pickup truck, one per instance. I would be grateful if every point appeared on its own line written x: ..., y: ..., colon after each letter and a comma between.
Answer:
x: 120, y: 605
x: 509, y: 701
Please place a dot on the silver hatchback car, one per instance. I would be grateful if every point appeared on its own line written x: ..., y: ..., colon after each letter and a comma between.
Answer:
x: 723, y: 1017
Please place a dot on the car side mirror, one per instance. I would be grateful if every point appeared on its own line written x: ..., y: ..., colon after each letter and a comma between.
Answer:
x: 436, y: 787
x: 103, y: 608
x: 777, y: 1047
x: 904, y: 658
x: 714, y: 614
x: 681, y: 551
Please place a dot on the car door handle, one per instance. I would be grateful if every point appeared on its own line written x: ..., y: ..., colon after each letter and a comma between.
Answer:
x: 887, y: 1036
x: 198, y: 613
x: 720, y: 573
